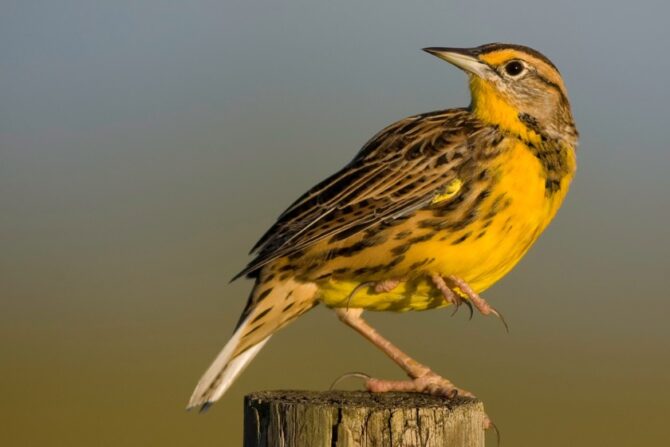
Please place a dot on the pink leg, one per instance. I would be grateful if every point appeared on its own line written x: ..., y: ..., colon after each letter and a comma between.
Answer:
x: 424, y: 380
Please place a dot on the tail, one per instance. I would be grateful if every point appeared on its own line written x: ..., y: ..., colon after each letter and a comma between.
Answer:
x: 272, y: 305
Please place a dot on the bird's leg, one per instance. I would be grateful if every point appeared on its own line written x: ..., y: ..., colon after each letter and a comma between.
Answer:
x: 424, y: 380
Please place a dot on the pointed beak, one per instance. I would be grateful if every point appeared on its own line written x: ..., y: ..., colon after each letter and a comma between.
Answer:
x: 464, y: 58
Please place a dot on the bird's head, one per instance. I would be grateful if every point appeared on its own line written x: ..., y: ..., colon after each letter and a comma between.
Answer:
x: 516, y: 88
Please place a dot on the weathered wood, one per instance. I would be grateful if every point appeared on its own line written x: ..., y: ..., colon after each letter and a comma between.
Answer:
x: 353, y: 419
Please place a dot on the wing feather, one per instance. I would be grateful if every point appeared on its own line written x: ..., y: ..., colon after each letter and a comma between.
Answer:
x: 400, y: 170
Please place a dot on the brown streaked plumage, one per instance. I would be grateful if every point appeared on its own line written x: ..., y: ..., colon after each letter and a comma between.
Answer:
x: 433, y: 210
x: 399, y: 171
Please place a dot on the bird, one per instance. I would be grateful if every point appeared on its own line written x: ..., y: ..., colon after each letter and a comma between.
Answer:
x: 432, y: 211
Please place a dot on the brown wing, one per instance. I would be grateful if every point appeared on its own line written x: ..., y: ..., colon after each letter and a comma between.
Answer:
x: 400, y: 170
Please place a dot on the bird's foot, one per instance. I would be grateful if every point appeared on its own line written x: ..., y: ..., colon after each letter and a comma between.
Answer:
x: 386, y: 285
x: 428, y: 383
x: 473, y: 298
x: 480, y: 303
x: 449, y: 295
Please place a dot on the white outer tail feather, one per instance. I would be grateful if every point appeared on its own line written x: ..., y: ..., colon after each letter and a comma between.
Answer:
x: 225, y: 367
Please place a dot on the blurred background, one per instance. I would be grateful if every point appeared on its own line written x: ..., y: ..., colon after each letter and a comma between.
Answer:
x: 146, y: 145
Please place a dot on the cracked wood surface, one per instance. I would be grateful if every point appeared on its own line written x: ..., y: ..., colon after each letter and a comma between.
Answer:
x: 357, y: 418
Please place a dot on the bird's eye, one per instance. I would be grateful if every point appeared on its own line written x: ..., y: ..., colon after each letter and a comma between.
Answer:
x: 514, y: 68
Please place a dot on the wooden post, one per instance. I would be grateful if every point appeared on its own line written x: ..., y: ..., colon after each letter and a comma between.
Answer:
x: 357, y: 418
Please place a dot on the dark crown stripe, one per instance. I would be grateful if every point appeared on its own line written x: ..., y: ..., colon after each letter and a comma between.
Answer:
x: 491, y: 47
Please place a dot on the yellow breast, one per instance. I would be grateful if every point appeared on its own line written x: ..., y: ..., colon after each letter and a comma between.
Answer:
x: 511, y: 218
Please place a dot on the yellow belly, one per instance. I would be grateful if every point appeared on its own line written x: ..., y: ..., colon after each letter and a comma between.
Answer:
x: 488, y: 248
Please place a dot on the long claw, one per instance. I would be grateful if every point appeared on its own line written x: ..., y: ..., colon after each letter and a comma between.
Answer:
x: 356, y: 289
x: 470, y: 308
x: 488, y: 424
x: 457, y: 306
x: 358, y: 375
x: 495, y: 312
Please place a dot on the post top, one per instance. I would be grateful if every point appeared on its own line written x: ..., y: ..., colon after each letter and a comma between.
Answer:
x: 337, y: 398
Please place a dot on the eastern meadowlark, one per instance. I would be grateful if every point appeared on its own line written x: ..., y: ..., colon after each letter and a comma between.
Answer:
x: 433, y: 210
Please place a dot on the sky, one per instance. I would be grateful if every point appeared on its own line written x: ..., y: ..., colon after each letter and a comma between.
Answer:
x: 146, y: 145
